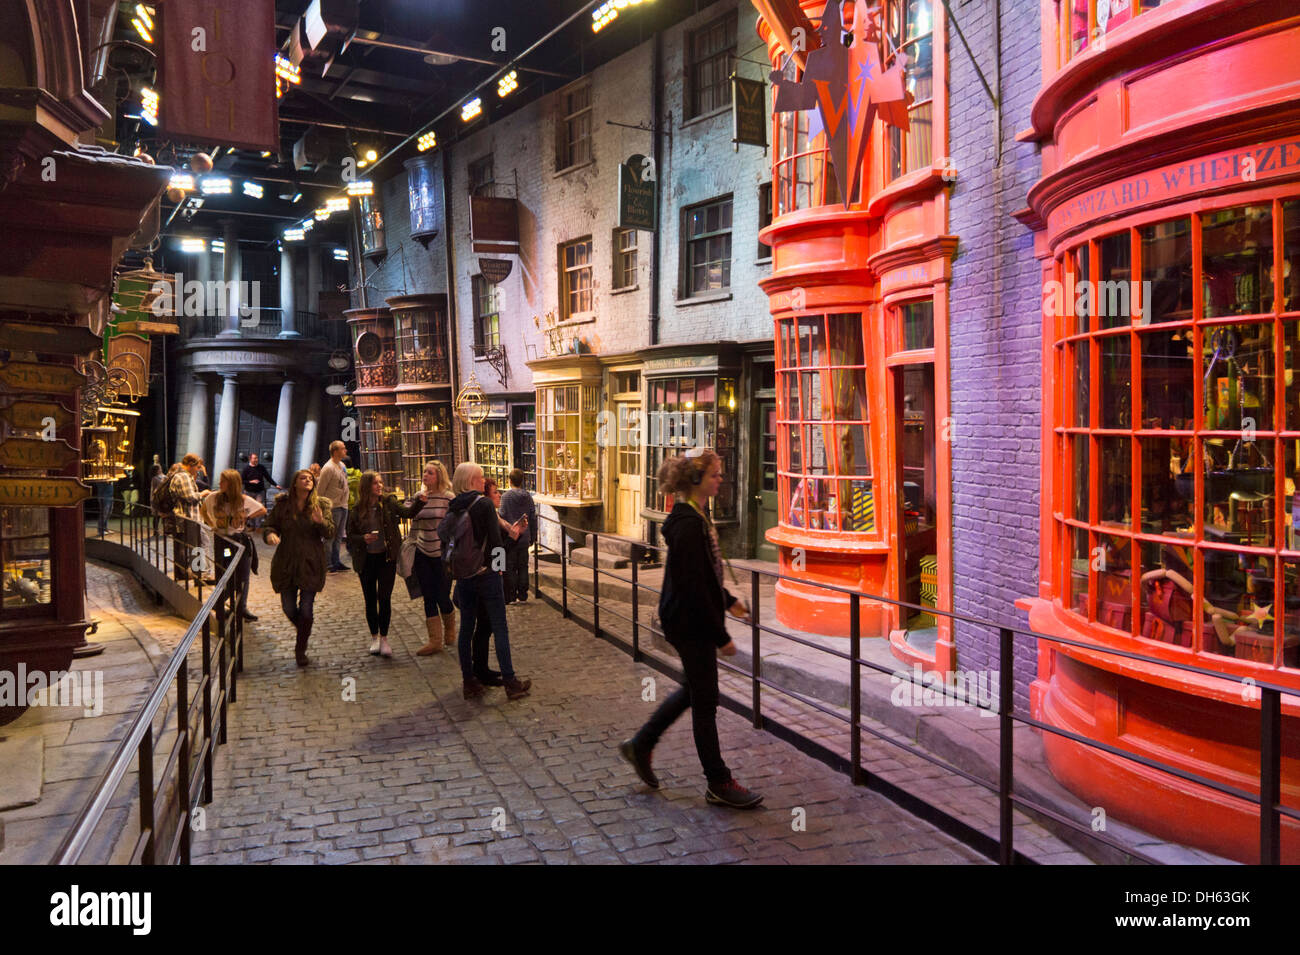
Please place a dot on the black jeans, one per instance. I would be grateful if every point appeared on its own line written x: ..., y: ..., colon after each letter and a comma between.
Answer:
x: 223, y: 550
x: 377, y: 576
x: 516, y: 584
x: 699, y: 693
x: 435, y: 585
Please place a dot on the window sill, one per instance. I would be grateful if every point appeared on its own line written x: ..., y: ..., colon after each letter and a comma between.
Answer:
x: 705, y: 117
x: 568, y: 169
x: 586, y: 318
x: 703, y: 299
x: 625, y: 289
x: 765, y: 261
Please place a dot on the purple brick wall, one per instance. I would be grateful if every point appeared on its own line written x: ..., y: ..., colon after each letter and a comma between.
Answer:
x: 995, y: 336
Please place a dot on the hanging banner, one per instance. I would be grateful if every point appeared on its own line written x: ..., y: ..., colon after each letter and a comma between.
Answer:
x: 217, y: 73
x: 35, y: 453
x: 43, y: 379
x: 42, y: 492
x: 637, y: 203
x: 749, y: 117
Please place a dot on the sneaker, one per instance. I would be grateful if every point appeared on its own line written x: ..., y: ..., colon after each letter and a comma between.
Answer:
x: 640, y: 762
x: 384, y: 649
x: 732, y: 794
x: 516, y: 688
x: 374, y: 646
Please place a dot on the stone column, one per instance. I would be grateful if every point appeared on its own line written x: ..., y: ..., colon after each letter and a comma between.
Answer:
x: 280, y: 470
x: 313, y: 273
x: 227, y: 426
x: 288, y: 302
x: 311, y: 428
x: 196, y: 439
x: 230, y: 274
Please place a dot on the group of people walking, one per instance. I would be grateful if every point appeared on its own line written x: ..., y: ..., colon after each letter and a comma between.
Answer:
x: 466, y: 549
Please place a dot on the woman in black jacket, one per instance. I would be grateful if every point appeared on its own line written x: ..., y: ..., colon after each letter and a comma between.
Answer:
x: 692, y: 608
x: 374, y: 544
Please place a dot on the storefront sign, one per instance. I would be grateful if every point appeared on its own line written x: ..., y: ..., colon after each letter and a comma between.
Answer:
x: 685, y: 361
x: 43, y: 379
x: 494, y: 224
x: 636, y: 194
x: 32, y: 415
x: 49, y: 339
x: 495, y: 271
x: 217, y: 73
x: 1235, y: 167
x: 749, y: 116
x: 902, y: 278
x: 42, y: 492
x: 496, y: 409
x: 35, y: 453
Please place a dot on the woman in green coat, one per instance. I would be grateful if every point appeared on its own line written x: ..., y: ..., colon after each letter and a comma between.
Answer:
x: 297, y: 527
x: 375, y: 544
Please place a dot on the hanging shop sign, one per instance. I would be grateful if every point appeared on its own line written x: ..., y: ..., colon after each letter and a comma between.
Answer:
x: 216, y: 78
x: 43, y: 379
x: 49, y: 339
x: 749, y: 116
x: 35, y: 453
x: 32, y: 415
x: 471, y: 404
x: 130, y: 354
x: 636, y: 194
x: 42, y: 492
x: 495, y: 271
x: 494, y: 224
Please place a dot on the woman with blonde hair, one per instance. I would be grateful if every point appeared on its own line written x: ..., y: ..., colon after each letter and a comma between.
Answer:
x: 297, y: 527
x: 692, y: 608
x: 375, y: 544
x: 425, y: 560
x: 228, y: 512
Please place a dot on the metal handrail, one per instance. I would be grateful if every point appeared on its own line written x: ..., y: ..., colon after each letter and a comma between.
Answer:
x: 140, y: 739
x: 1268, y: 799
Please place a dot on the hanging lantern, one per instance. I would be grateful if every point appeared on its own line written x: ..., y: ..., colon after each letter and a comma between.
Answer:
x: 471, y: 403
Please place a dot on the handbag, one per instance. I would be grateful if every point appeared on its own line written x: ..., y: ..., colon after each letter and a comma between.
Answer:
x: 406, y: 565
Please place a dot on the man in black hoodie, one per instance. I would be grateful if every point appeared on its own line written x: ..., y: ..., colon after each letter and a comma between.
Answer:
x: 482, y: 588
x: 692, y: 608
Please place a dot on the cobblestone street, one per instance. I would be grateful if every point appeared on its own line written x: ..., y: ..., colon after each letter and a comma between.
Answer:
x: 410, y: 772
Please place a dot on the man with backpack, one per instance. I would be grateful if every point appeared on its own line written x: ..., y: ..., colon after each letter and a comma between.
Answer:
x: 474, y: 556
x: 177, y: 503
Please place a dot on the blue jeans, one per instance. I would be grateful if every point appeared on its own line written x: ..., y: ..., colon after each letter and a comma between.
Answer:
x: 484, y: 591
x: 435, y: 585
x: 340, y: 534
x: 104, y: 494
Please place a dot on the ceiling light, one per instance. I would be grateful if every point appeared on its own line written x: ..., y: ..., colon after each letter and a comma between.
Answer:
x: 321, y: 214
x: 294, y: 234
x: 371, y: 155
x: 471, y: 109
x: 362, y: 187
x: 297, y: 196
x: 266, y: 153
x: 181, y: 180
x: 508, y: 84
x: 286, y: 75
x: 193, y: 245
x: 336, y: 204
x: 218, y: 245
x: 308, y: 224
x: 143, y: 12
x: 607, y: 12
x: 426, y: 141
x: 363, y: 163
x: 341, y: 255
x: 214, y: 186
x: 149, y: 106
x: 253, y: 189
x: 142, y: 29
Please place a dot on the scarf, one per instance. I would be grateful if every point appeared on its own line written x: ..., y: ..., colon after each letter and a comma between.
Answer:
x: 715, y: 549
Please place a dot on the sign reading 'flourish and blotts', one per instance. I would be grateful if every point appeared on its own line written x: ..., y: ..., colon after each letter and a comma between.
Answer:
x: 636, y: 194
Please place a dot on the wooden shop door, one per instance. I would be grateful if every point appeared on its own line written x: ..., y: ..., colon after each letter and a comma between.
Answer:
x: 628, y: 470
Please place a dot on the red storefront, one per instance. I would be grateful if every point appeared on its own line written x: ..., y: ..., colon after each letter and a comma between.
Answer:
x: 1170, y: 518
x: 859, y: 296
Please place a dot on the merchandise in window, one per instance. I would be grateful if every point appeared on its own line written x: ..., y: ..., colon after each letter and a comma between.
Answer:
x: 381, y: 444
x: 526, y: 443
x: 25, y: 559
x: 492, y: 449
x: 686, y: 413
x: 575, y: 278
x: 1085, y: 21
x: 421, y: 346
x: 376, y: 355
x: 708, y: 247
x: 825, y: 476
x: 573, y: 137
x: 566, y: 442
x: 711, y: 49
x: 426, y: 436
x: 1188, y: 410
x: 487, y: 320
x: 911, y: 32
x: 624, y: 258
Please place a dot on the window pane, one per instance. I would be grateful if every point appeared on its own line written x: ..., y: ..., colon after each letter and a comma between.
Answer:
x: 1082, y: 351
x: 1236, y: 260
x: 1167, y: 380
x: 25, y: 556
x: 1116, y: 480
x: 1080, y: 565
x: 1082, y: 305
x: 1167, y: 266
x: 1168, y: 491
x: 1112, y: 300
x: 1114, y: 582
x: 1237, y: 367
x: 1081, y: 450
x: 1239, y: 588
x: 918, y: 325
x: 1116, y: 381
x: 1291, y: 254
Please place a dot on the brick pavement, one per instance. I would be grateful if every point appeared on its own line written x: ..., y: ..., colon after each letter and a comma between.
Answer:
x: 410, y: 772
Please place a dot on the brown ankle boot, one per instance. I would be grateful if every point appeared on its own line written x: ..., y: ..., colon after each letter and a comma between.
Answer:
x: 435, y: 638
x: 472, y: 689
x: 300, y: 647
x: 516, y: 688
x: 449, y: 629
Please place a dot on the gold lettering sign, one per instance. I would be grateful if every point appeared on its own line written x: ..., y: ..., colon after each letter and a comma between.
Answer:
x: 45, y: 379
x: 34, y: 453
x: 42, y: 492
x: 31, y: 415
x: 51, y: 339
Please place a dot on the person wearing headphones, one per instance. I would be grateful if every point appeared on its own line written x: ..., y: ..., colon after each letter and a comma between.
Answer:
x: 692, y: 609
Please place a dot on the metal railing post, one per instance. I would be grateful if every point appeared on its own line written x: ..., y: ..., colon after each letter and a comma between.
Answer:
x: 183, y: 763
x: 147, y: 795
x: 564, y: 575
x: 1006, y: 752
x: 207, y: 710
x: 537, y: 580
x: 855, y: 689
x: 755, y: 661
x: 595, y: 584
x: 221, y: 672
x: 1270, y: 777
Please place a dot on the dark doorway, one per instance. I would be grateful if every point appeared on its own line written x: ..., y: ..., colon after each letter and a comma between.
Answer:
x: 258, y: 405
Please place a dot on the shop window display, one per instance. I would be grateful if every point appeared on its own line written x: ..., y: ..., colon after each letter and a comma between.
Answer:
x: 525, y: 428
x: 381, y: 443
x: 692, y: 412
x: 825, y: 478
x: 566, y: 442
x: 1190, y: 405
x: 421, y: 347
x: 24, y: 560
x: 911, y: 27
x: 492, y: 449
x: 426, y: 435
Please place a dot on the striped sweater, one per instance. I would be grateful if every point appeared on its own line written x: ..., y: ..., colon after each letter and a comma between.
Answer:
x: 425, y: 524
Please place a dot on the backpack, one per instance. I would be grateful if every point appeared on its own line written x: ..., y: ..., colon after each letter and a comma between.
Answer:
x: 163, y: 502
x: 462, y: 556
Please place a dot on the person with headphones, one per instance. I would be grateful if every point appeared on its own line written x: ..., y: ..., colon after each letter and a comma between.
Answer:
x: 692, y: 609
